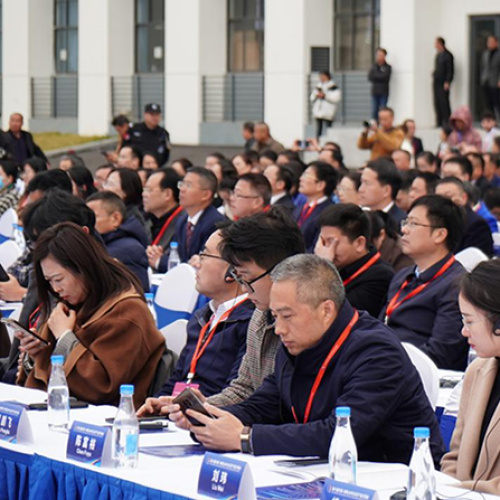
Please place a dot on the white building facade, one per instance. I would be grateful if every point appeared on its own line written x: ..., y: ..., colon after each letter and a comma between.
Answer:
x: 71, y: 65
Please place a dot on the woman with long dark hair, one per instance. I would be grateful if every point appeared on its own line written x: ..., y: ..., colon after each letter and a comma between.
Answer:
x: 101, y: 323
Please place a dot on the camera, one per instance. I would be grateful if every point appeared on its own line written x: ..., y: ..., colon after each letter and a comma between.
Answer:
x: 366, y: 124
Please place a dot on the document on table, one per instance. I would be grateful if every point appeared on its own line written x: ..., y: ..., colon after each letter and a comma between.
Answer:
x: 174, y: 451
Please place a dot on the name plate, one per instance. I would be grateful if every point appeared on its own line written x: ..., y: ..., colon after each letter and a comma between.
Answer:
x: 89, y: 443
x: 223, y: 477
x: 335, y: 490
x: 14, y: 424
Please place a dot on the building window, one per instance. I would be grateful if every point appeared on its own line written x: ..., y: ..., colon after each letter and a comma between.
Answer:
x: 149, y: 36
x: 66, y: 36
x: 357, y: 33
x: 245, y: 35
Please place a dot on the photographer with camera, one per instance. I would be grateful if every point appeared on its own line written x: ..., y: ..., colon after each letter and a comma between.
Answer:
x: 325, y: 98
x: 381, y: 140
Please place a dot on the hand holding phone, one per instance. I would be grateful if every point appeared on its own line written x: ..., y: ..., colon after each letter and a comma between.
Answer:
x: 188, y: 400
x: 17, y: 327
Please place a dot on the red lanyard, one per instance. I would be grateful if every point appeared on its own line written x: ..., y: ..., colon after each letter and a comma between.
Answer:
x: 362, y: 269
x: 200, y: 349
x: 306, y: 213
x: 34, y: 319
x: 394, y: 304
x: 324, y: 366
x: 178, y: 210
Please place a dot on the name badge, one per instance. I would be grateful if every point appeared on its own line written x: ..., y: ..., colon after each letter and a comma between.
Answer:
x: 89, y: 443
x: 14, y: 424
x: 223, y: 477
x: 335, y: 490
x: 180, y: 386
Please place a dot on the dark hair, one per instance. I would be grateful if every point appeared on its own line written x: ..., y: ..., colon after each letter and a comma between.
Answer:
x: 492, y: 198
x: 184, y: 162
x: 169, y: 180
x: 36, y: 164
x: 227, y: 184
x: 49, y: 179
x: 251, y: 238
x: 83, y: 179
x: 387, y: 174
x: 441, y: 41
x: 478, y: 157
x: 120, y: 120
x: 386, y: 108
x: 488, y: 115
x: 135, y: 151
x: 381, y: 50
x: 260, y: 185
x: 428, y: 157
x: 463, y: 162
x: 248, y: 126
x: 103, y: 276
x: 430, y: 180
x: 447, y: 129
x: 355, y: 177
x: 381, y: 220
x: 227, y: 168
x: 480, y: 288
x: 297, y: 167
x: 11, y: 169
x: 111, y: 201
x: 286, y: 174
x: 327, y: 174
x: 442, y: 212
x: 407, y: 179
x: 326, y: 73
x: 217, y: 155
x: 55, y: 207
x: 270, y: 155
x: 207, y: 178
x: 148, y: 171
x: 131, y: 185
x: 246, y: 157
x: 106, y: 165
x: 473, y: 193
x: 452, y: 180
x: 153, y: 155
x: 76, y: 161
x: 350, y: 219
x: 290, y: 155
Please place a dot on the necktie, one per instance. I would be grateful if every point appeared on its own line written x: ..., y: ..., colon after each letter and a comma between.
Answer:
x: 189, y: 233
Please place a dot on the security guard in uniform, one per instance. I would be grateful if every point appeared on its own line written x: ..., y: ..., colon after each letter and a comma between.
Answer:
x: 148, y: 136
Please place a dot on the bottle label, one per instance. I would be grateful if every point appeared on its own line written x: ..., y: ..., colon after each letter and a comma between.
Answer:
x: 344, y: 491
x: 131, y: 444
x: 89, y: 443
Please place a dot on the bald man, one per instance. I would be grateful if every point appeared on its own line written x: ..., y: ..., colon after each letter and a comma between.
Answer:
x: 264, y: 141
x: 19, y: 143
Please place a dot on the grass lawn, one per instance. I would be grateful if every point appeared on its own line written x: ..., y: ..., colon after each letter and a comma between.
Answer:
x: 55, y: 140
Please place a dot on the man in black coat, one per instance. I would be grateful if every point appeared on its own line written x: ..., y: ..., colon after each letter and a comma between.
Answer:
x: 281, y: 180
x: 490, y: 75
x: 19, y: 143
x: 442, y: 78
x: 354, y: 359
x: 343, y: 240
x: 379, y: 75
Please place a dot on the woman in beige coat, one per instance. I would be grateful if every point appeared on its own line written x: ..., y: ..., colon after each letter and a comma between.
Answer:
x: 474, y: 456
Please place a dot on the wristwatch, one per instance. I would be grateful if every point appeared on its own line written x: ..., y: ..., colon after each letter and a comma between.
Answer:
x: 246, y: 440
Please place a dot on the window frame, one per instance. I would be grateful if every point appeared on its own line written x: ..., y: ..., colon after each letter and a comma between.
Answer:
x: 150, y: 25
x: 62, y: 67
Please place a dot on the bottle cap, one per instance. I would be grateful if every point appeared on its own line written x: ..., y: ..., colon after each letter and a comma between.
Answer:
x: 421, y: 432
x: 342, y: 411
x: 174, y: 244
x: 57, y: 359
x: 149, y: 296
x: 126, y: 390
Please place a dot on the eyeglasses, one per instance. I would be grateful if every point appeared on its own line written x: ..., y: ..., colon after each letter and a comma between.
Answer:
x: 467, y: 324
x: 204, y: 255
x: 247, y: 285
x: 307, y: 176
x: 243, y: 196
x: 410, y: 224
x: 188, y: 185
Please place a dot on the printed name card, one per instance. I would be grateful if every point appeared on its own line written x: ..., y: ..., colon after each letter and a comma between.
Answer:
x: 14, y: 424
x: 223, y: 477
x: 335, y: 490
x: 89, y: 443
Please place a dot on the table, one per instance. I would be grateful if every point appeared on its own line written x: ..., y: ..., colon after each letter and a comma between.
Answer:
x: 40, y: 471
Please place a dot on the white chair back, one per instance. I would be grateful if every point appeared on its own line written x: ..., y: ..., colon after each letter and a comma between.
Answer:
x: 427, y: 370
x: 177, y: 289
x: 8, y: 218
x: 175, y: 335
x: 9, y: 253
x: 471, y: 257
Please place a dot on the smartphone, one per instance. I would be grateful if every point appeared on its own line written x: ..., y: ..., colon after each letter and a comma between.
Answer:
x: 3, y: 274
x: 188, y: 400
x: 73, y: 404
x: 304, y: 144
x: 12, y: 323
x: 297, y: 462
x: 157, y: 418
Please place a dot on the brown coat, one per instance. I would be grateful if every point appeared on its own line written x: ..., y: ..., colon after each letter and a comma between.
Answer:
x: 381, y: 143
x: 464, y: 447
x: 119, y: 344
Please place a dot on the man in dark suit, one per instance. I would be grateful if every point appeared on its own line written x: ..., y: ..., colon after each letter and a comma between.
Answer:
x: 317, y: 184
x: 442, y: 78
x: 380, y: 183
x: 476, y: 232
x: 281, y: 180
x: 196, y: 195
x: 251, y: 195
x: 343, y: 240
x: 19, y: 142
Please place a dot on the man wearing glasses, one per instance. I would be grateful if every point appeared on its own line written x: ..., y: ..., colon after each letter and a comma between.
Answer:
x: 422, y: 302
x: 251, y: 195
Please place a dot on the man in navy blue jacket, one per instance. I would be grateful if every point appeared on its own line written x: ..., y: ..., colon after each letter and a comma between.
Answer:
x: 422, y: 302
x: 369, y: 372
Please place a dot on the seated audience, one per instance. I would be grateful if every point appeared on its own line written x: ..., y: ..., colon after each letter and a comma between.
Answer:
x: 344, y: 241
x: 150, y: 161
x: 402, y: 159
x: 216, y: 333
x: 476, y: 232
x: 129, y: 157
x: 478, y: 179
x: 70, y: 160
x: 101, y: 175
x: 463, y: 134
x: 124, y: 237
x: 243, y: 163
x: 422, y: 306
x: 251, y: 195
x: 264, y: 141
x: 266, y: 158
x: 473, y: 455
x: 223, y: 168
x: 348, y: 187
x: 82, y: 181
x: 9, y: 195
x: 281, y: 180
x: 423, y: 184
x: 181, y: 166
x: 100, y: 320
x: 212, y: 159
x: 317, y: 184
x: 44, y: 181
x: 492, y: 201
x: 427, y: 162
x: 457, y: 166
x: 380, y: 183
x: 480, y: 208
x: 371, y: 370
x: 491, y: 164
x: 403, y: 197
x: 31, y: 167
x: 489, y: 125
x: 287, y: 156
x: 334, y: 158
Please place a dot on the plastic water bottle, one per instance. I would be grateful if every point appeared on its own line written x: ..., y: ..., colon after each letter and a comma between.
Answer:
x: 343, y: 456
x: 58, y: 396
x: 173, y: 257
x: 125, y: 452
x: 421, y: 480
x: 18, y: 236
x: 150, y: 301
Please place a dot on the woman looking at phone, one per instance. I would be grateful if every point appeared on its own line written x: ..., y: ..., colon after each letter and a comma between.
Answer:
x: 101, y: 323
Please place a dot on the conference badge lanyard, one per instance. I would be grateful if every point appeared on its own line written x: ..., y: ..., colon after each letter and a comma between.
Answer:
x: 321, y: 373
x: 394, y: 303
x: 362, y: 269
x: 159, y: 236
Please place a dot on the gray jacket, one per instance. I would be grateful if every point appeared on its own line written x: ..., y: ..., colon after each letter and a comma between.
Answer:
x: 490, y: 68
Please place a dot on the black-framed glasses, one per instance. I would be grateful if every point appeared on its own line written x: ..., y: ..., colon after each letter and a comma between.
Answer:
x: 209, y: 255
x: 247, y: 285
